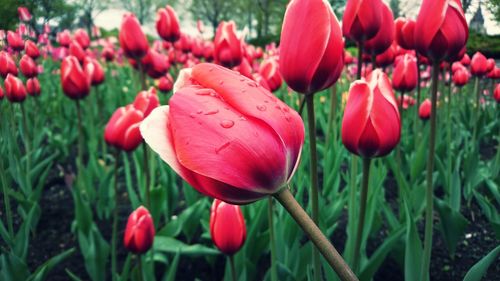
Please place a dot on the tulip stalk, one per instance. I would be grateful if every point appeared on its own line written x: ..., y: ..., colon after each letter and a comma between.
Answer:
x: 448, y: 132
x: 115, y: 220
x: 362, y: 213
x: 6, y: 200
x: 233, y: 268
x: 27, y: 145
x: 477, y: 91
x: 146, y: 169
x: 418, y: 103
x: 272, y: 241
x: 429, y: 196
x: 80, y: 135
x: 314, y: 177
x: 331, y: 255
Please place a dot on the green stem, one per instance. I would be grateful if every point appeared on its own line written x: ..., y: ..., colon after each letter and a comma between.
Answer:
x: 115, y: 219
x: 272, y: 241
x: 142, y: 76
x: 314, y: 178
x: 331, y: 255
x: 146, y: 171
x: 301, y: 105
x: 416, y: 123
x: 362, y: 213
x: 398, y: 149
x: 448, y: 133
x: 27, y: 146
x: 429, y: 196
x: 331, y: 118
x: 80, y: 134
x: 233, y: 269
x: 141, y: 272
x: 477, y: 91
x: 6, y: 200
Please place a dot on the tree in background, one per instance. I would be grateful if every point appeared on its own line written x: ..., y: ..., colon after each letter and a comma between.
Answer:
x: 494, y: 7
x: 395, y: 8
x: 90, y: 9
x: 143, y: 9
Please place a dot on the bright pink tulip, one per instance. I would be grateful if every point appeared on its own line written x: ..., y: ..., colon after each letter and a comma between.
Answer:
x: 269, y: 69
x: 460, y: 77
x: 360, y: 21
x: 404, y: 30
x: 245, y: 68
x: 33, y: 87
x: 494, y: 73
x: 211, y: 116
x: 404, y: 77
x: 14, y: 89
x: 132, y: 39
x: 490, y: 64
x: 146, y: 101
x: 77, y: 51
x: 385, y: 35
x: 166, y: 83
x: 7, y: 64
x: 139, y: 232
x: 227, y: 46
x: 64, y: 38
x: 74, y: 80
x: 31, y: 49
x: 424, y: 111
x: 122, y: 130
x: 155, y: 64
x: 15, y: 41
x: 167, y: 24
x: 496, y: 93
x: 28, y: 67
x: 92, y: 66
x: 24, y: 14
x: 465, y: 60
x: 81, y: 36
x: 108, y: 53
x: 227, y: 227
x: 478, y: 64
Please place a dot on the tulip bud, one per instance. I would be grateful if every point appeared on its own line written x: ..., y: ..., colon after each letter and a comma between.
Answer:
x: 269, y: 69
x: 479, y: 64
x: 311, y: 49
x: 167, y: 24
x: 77, y: 51
x: 245, y: 68
x: 424, y: 111
x: 490, y: 64
x: 385, y: 35
x: 227, y: 46
x: 386, y: 58
x: 31, y: 49
x: 14, y: 89
x: 404, y: 31
x: 404, y: 77
x: 108, y: 53
x: 15, y: 41
x: 24, y: 14
x: 132, y: 40
x: 371, y: 126
x: 494, y: 73
x: 146, y: 101
x: 139, y: 232
x: 7, y: 64
x: 74, y: 80
x: 496, y: 93
x: 227, y: 227
x: 360, y: 21
x: 33, y: 87
x: 465, y: 60
x: 96, y: 70
x: 166, y: 83
x: 122, y: 130
x: 460, y: 77
x: 28, y: 66
x: 155, y: 64
x: 64, y: 38
x: 81, y: 36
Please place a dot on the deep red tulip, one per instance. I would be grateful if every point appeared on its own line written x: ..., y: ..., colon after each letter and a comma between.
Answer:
x: 166, y: 83
x: 311, y: 48
x: 269, y: 69
x: 496, y: 93
x: 28, y: 67
x: 424, y: 111
x: 407, y: 101
x: 465, y: 60
x: 184, y: 43
x: 227, y: 227
x: 494, y: 73
x: 15, y: 41
x: 7, y: 64
x: 211, y: 115
x: 122, y: 130
x: 24, y: 14
x: 92, y: 66
x: 77, y: 51
x: 227, y: 46
x: 64, y: 38
x: 208, y: 51
x: 14, y: 89
x: 31, y: 49
x: 478, y: 64
x: 460, y: 76
x: 108, y: 53
x: 404, y: 30
x: 348, y: 58
x: 139, y: 232
x: 385, y: 35
x: 360, y: 22
x: 245, y: 68
x: 146, y: 101
x: 33, y: 87
x: 490, y: 65
x: 132, y: 39
x: 74, y: 80
x: 386, y: 58
x: 155, y: 64
x: 167, y: 24
x: 81, y: 36
x: 441, y: 30
x: 371, y: 126
x: 404, y: 77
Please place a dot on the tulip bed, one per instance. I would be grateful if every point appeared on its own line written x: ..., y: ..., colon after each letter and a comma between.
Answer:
x: 96, y: 185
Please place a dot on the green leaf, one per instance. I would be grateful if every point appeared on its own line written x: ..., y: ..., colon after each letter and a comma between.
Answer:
x: 452, y: 225
x: 171, y: 245
x: 478, y: 270
x: 413, y: 250
x: 172, y: 269
x: 41, y: 272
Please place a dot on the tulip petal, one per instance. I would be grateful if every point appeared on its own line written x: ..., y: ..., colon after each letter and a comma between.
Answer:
x: 357, y: 109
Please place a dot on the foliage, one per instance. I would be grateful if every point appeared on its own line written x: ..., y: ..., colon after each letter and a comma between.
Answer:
x: 488, y: 45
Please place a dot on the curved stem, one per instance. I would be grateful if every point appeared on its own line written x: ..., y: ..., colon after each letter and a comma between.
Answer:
x: 314, y: 178
x: 301, y: 105
x: 331, y: 255
x: 148, y: 180
x: 272, y: 241
x: 115, y: 219
x: 362, y: 213
x: 233, y: 269
x: 429, y: 196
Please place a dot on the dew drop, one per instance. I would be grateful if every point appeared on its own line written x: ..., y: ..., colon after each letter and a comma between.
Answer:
x: 199, y: 111
x: 212, y: 112
x: 261, y: 107
x: 277, y: 107
x: 210, y: 69
x: 222, y: 147
x: 286, y: 109
x: 266, y: 101
x: 288, y: 118
x: 221, y: 82
x: 227, y: 123
x: 243, y: 118
x: 251, y: 84
x: 192, y: 115
x: 204, y: 92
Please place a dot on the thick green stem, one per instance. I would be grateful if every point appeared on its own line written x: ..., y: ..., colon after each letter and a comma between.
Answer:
x: 416, y: 123
x: 146, y: 171
x: 115, y: 220
x: 272, y: 241
x: 80, y: 135
x: 314, y: 178
x: 27, y: 146
x: 331, y: 255
x: 301, y: 105
x: 141, y: 272
x: 448, y: 133
x: 142, y: 76
x: 332, y: 114
x: 233, y: 269
x: 362, y: 213
x: 6, y: 201
x: 477, y: 91
x: 429, y: 196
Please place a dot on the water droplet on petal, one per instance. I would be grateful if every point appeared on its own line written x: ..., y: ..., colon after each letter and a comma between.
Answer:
x: 286, y: 109
x: 251, y: 84
x: 192, y: 115
x: 266, y: 101
x: 212, y: 112
x: 277, y: 107
x: 227, y: 123
x: 261, y: 107
x: 223, y: 146
x: 204, y: 92
x: 199, y: 111
x: 288, y: 118
x: 243, y: 118
x: 221, y: 82
x: 210, y: 69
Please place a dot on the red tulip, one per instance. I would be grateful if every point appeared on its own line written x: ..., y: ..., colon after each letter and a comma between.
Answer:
x: 166, y: 83
x: 460, y: 77
x: 407, y: 101
x: 441, y: 30
x: 1, y: 93
x: 74, y: 80
x: 494, y: 73
x: 479, y: 64
x: 139, y: 232
x: 7, y: 64
x: 28, y: 67
x: 311, y: 48
x: 15, y: 41
x: 132, y: 40
x: 496, y: 93
x: 227, y: 46
x: 31, y: 49
x: 64, y: 38
x: 360, y: 21
x: 424, y: 111
x: 14, y: 89
x: 348, y: 58
x: 386, y: 58
x: 211, y: 115
x: 245, y: 68
x: 261, y: 81
x: 33, y: 87
x: 371, y: 126
x: 77, y: 51
x: 404, y: 30
x: 227, y: 227
x: 122, y: 130
x: 490, y: 64
x: 465, y: 60
x: 385, y: 35
x: 269, y: 69
x: 155, y: 64
x: 108, y: 53
x: 167, y: 24
x: 146, y: 101
x: 208, y: 51
x: 81, y: 36
x: 24, y: 14
x: 184, y: 43
x: 92, y: 66
x: 404, y: 77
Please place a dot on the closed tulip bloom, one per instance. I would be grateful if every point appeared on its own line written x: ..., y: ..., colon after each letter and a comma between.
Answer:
x: 227, y: 46
x: 24, y: 14
x: 155, y: 64
x: 31, y: 49
x: 269, y: 69
x: 166, y: 83
x: 490, y: 64
x: 139, y: 232
x: 122, y: 130
x: 81, y: 36
x: 494, y: 73
x: 132, y: 39
x: 424, y: 111
x: 15, y: 41
x: 7, y: 64
x: 404, y: 29
x: 14, y: 89
x: 496, y: 93
x: 167, y: 24
x: 64, y: 38
x: 465, y: 60
x: 441, y: 30
x: 108, y: 53
x: 371, y: 126
x: 28, y: 67
x: 386, y: 58
x: 33, y: 87
x: 77, y: 51
x: 478, y: 64
x: 227, y: 227
x: 146, y: 101
x: 311, y: 48
x: 96, y: 70
x: 385, y: 35
x: 360, y: 22
x: 211, y: 115
x: 74, y: 80
x: 460, y: 77
x: 404, y: 77
x: 245, y: 68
